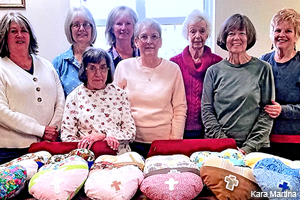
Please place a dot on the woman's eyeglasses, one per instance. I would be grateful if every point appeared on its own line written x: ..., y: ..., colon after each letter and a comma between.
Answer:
x: 145, y: 38
x: 94, y: 69
x: 85, y: 25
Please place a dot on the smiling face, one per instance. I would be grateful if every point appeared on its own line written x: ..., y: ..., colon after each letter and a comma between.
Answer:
x: 123, y: 27
x: 148, y: 41
x: 96, y: 75
x: 284, y: 36
x: 197, y: 35
x: 18, y: 38
x: 80, y: 34
x: 236, y: 41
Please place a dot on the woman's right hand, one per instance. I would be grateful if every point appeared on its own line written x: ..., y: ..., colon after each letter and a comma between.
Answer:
x: 50, y: 133
x: 273, y: 110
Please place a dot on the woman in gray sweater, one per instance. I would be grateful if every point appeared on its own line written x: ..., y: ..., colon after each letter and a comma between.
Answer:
x: 236, y: 90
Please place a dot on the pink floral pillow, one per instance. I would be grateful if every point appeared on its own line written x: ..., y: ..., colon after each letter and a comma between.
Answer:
x: 171, y: 177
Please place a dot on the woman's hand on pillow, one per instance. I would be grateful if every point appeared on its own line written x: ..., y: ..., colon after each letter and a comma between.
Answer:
x: 88, y: 140
x: 112, y: 142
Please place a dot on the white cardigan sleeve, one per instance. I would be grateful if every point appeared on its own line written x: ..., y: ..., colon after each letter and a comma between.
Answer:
x: 16, y: 121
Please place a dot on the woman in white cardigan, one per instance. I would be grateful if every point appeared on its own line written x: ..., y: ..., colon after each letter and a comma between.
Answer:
x: 31, y: 96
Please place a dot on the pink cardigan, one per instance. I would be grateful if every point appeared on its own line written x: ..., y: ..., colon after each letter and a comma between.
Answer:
x: 193, y: 80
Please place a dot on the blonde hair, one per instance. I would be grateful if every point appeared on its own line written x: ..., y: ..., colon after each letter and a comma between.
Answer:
x: 286, y: 14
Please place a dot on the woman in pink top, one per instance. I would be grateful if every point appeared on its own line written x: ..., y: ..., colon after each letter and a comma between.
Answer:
x: 155, y: 89
x: 193, y: 63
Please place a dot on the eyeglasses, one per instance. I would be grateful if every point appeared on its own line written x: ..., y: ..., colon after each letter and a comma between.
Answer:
x: 145, y: 38
x: 85, y: 25
x: 94, y: 69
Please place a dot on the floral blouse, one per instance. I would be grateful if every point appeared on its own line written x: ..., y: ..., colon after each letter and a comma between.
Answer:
x: 104, y: 111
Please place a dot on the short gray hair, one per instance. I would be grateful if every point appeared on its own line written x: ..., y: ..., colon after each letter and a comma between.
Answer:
x: 21, y: 20
x: 148, y: 22
x: 194, y: 17
x: 112, y: 16
x: 87, y: 15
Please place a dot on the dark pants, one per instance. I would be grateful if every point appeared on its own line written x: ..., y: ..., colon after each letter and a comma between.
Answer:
x: 8, y: 154
x: 193, y: 134
x: 140, y: 148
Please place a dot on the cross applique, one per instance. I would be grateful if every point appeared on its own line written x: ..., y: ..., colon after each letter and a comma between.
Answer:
x: 55, y: 183
x: 116, y: 185
x: 231, y: 182
x: 171, y: 182
x: 284, y: 186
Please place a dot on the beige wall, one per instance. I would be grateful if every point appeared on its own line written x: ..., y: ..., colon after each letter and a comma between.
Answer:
x: 260, y: 13
x: 47, y: 18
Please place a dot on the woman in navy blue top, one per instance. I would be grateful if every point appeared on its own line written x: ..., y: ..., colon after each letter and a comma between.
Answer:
x: 285, y: 61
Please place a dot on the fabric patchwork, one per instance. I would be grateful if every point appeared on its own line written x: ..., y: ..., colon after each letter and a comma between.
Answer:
x: 12, y: 180
x: 235, y: 157
x: 171, y: 177
x: 129, y: 158
x: 183, y: 186
x: 227, y: 181
x: 31, y: 162
x: 59, y: 180
x: 115, y: 177
x: 86, y: 154
x: 252, y: 158
x: 40, y: 157
x: 115, y: 183
x: 277, y: 179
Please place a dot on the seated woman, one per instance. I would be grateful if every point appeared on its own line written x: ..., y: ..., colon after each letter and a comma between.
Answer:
x: 97, y: 110
x: 31, y: 96
x: 155, y: 89
x: 236, y: 90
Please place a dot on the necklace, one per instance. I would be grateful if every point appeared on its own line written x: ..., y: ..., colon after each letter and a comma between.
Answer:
x: 148, y: 72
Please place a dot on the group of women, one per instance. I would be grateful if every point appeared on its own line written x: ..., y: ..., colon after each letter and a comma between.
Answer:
x: 128, y: 96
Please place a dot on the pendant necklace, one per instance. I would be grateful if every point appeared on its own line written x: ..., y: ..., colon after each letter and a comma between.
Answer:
x: 147, y: 71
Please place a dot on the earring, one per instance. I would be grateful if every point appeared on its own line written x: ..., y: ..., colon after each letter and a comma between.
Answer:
x: 295, y: 47
x: 272, y: 47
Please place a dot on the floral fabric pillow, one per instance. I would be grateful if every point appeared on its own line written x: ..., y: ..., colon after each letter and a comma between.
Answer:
x: 233, y: 156
x: 115, y: 177
x: 59, y: 180
x: 12, y: 181
x: 171, y: 177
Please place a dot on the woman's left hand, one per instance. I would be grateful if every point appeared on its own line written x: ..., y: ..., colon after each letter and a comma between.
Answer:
x: 88, y: 141
x: 273, y: 110
x: 112, y: 142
